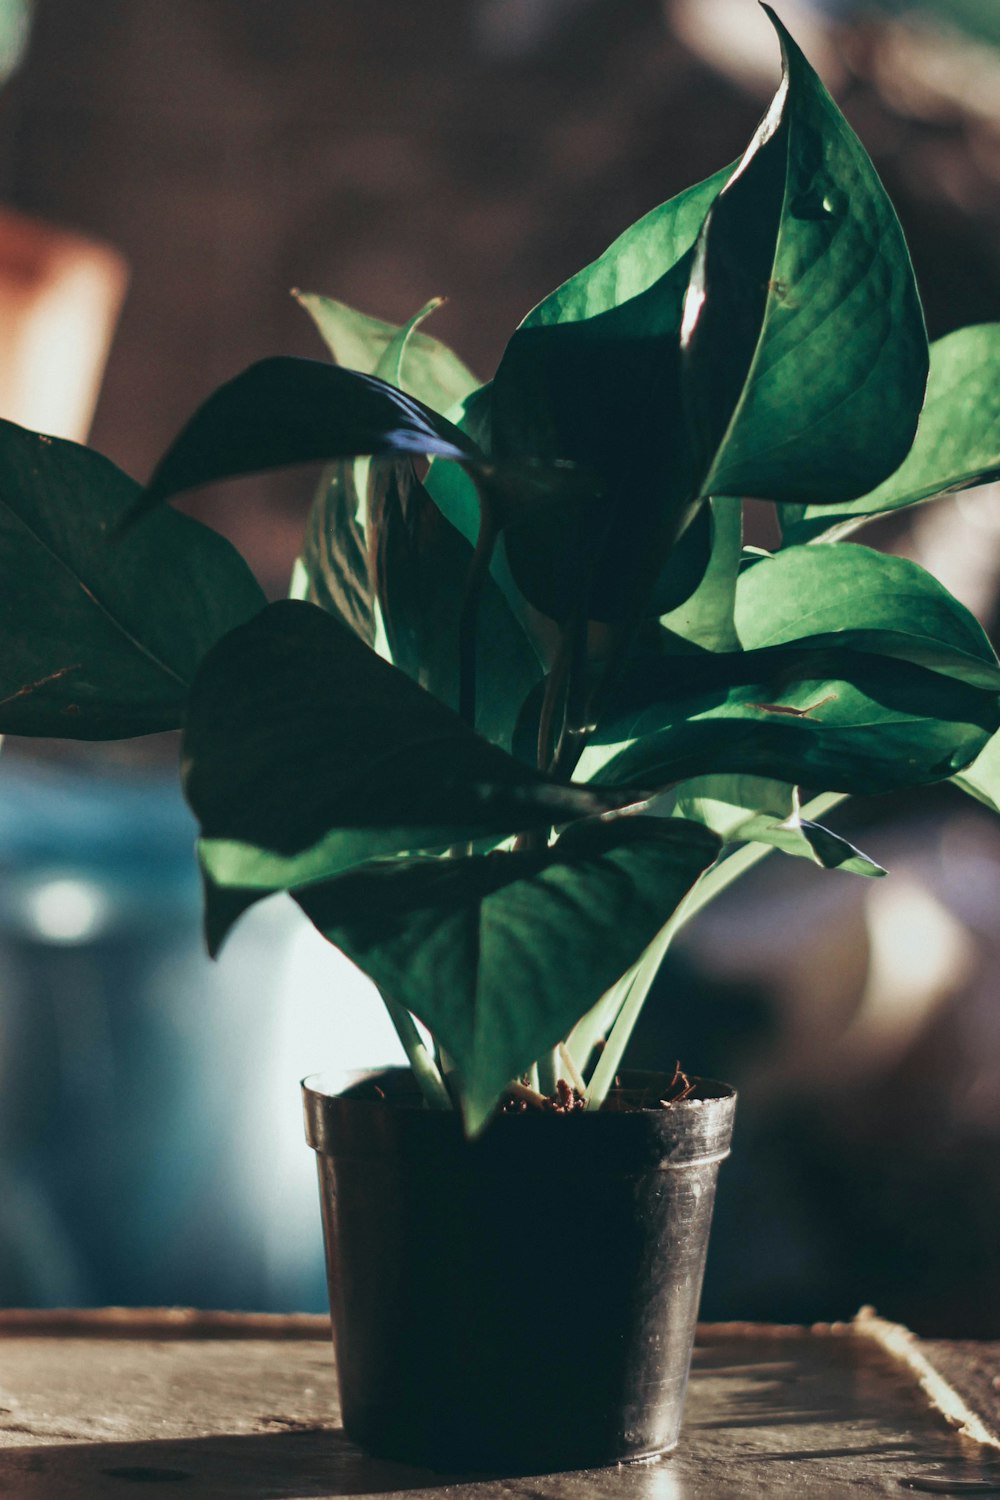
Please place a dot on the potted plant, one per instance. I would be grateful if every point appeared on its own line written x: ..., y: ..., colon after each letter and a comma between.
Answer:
x: 533, y: 703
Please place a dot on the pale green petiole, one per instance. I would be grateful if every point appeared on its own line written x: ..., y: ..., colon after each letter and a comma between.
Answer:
x: 425, y: 1070
x: 628, y: 996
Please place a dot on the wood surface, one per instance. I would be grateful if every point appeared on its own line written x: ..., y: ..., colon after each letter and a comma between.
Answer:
x: 101, y: 1404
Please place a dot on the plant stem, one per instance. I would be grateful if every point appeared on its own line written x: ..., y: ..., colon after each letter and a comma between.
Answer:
x: 592, y: 1028
x: 548, y: 1072
x: 637, y: 982
x: 569, y: 1067
x: 429, y: 1080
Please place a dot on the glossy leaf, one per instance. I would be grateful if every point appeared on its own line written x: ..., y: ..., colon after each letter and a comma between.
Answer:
x: 957, y: 443
x: 421, y: 570
x: 592, y: 376
x: 296, y: 730
x: 837, y: 719
x: 753, y: 809
x: 864, y: 598
x: 981, y: 779
x: 334, y: 557
x: 635, y: 261
x: 425, y: 367
x: 285, y: 411
x: 333, y: 566
x: 500, y: 955
x: 101, y: 634
x: 805, y: 355
x: 605, y: 394
x: 707, y: 617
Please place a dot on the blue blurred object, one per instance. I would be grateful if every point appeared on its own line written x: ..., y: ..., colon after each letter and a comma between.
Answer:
x: 151, y: 1146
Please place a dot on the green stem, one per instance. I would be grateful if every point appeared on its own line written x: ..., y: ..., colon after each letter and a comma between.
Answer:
x: 570, y: 1069
x: 591, y: 1029
x: 548, y: 1073
x: 637, y: 982
x: 425, y: 1071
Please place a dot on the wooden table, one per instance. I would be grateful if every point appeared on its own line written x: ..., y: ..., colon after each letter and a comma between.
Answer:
x: 106, y: 1404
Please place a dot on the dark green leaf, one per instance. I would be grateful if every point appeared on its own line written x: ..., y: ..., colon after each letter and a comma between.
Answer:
x: 603, y: 393
x: 422, y: 567
x: 285, y: 411
x: 297, y: 731
x: 100, y: 634
x: 836, y: 718
x: 592, y: 376
x: 957, y: 443
x: 500, y: 955
x: 685, y: 568
x: 805, y: 355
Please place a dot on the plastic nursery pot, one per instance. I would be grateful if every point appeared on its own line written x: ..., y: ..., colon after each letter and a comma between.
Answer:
x: 524, y: 1302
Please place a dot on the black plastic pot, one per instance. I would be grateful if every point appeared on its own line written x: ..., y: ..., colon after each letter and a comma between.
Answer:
x: 523, y: 1303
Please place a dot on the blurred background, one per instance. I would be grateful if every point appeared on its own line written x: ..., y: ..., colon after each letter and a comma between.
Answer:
x: 167, y: 174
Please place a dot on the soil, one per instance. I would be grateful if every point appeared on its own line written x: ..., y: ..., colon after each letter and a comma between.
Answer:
x: 652, y: 1095
x: 632, y: 1092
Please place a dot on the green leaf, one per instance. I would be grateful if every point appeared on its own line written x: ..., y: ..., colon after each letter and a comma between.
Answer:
x: 860, y: 597
x: 981, y: 779
x: 706, y: 619
x: 423, y: 366
x: 805, y: 355
x: 592, y: 377
x: 296, y: 730
x: 284, y: 411
x: 101, y: 634
x: 500, y: 955
x: 859, y: 697
x: 421, y: 570
x: 335, y: 554
x: 957, y: 443
x: 333, y: 567
x: 334, y: 558
x: 635, y: 261
x: 604, y: 394
x: 830, y: 717
x: 753, y: 809
x: 451, y: 488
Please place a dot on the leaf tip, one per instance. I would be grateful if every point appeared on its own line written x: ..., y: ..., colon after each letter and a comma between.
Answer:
x: 478, y: 1108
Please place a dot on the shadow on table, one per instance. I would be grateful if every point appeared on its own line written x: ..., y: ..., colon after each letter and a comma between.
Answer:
x: 315, y: 1461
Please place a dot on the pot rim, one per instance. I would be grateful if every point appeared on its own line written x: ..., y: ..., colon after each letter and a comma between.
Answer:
x: 693, y: 1131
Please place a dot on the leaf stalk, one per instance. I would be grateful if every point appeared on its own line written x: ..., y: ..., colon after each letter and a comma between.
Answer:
x: 635, y: 984
x: 432, y: 1086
